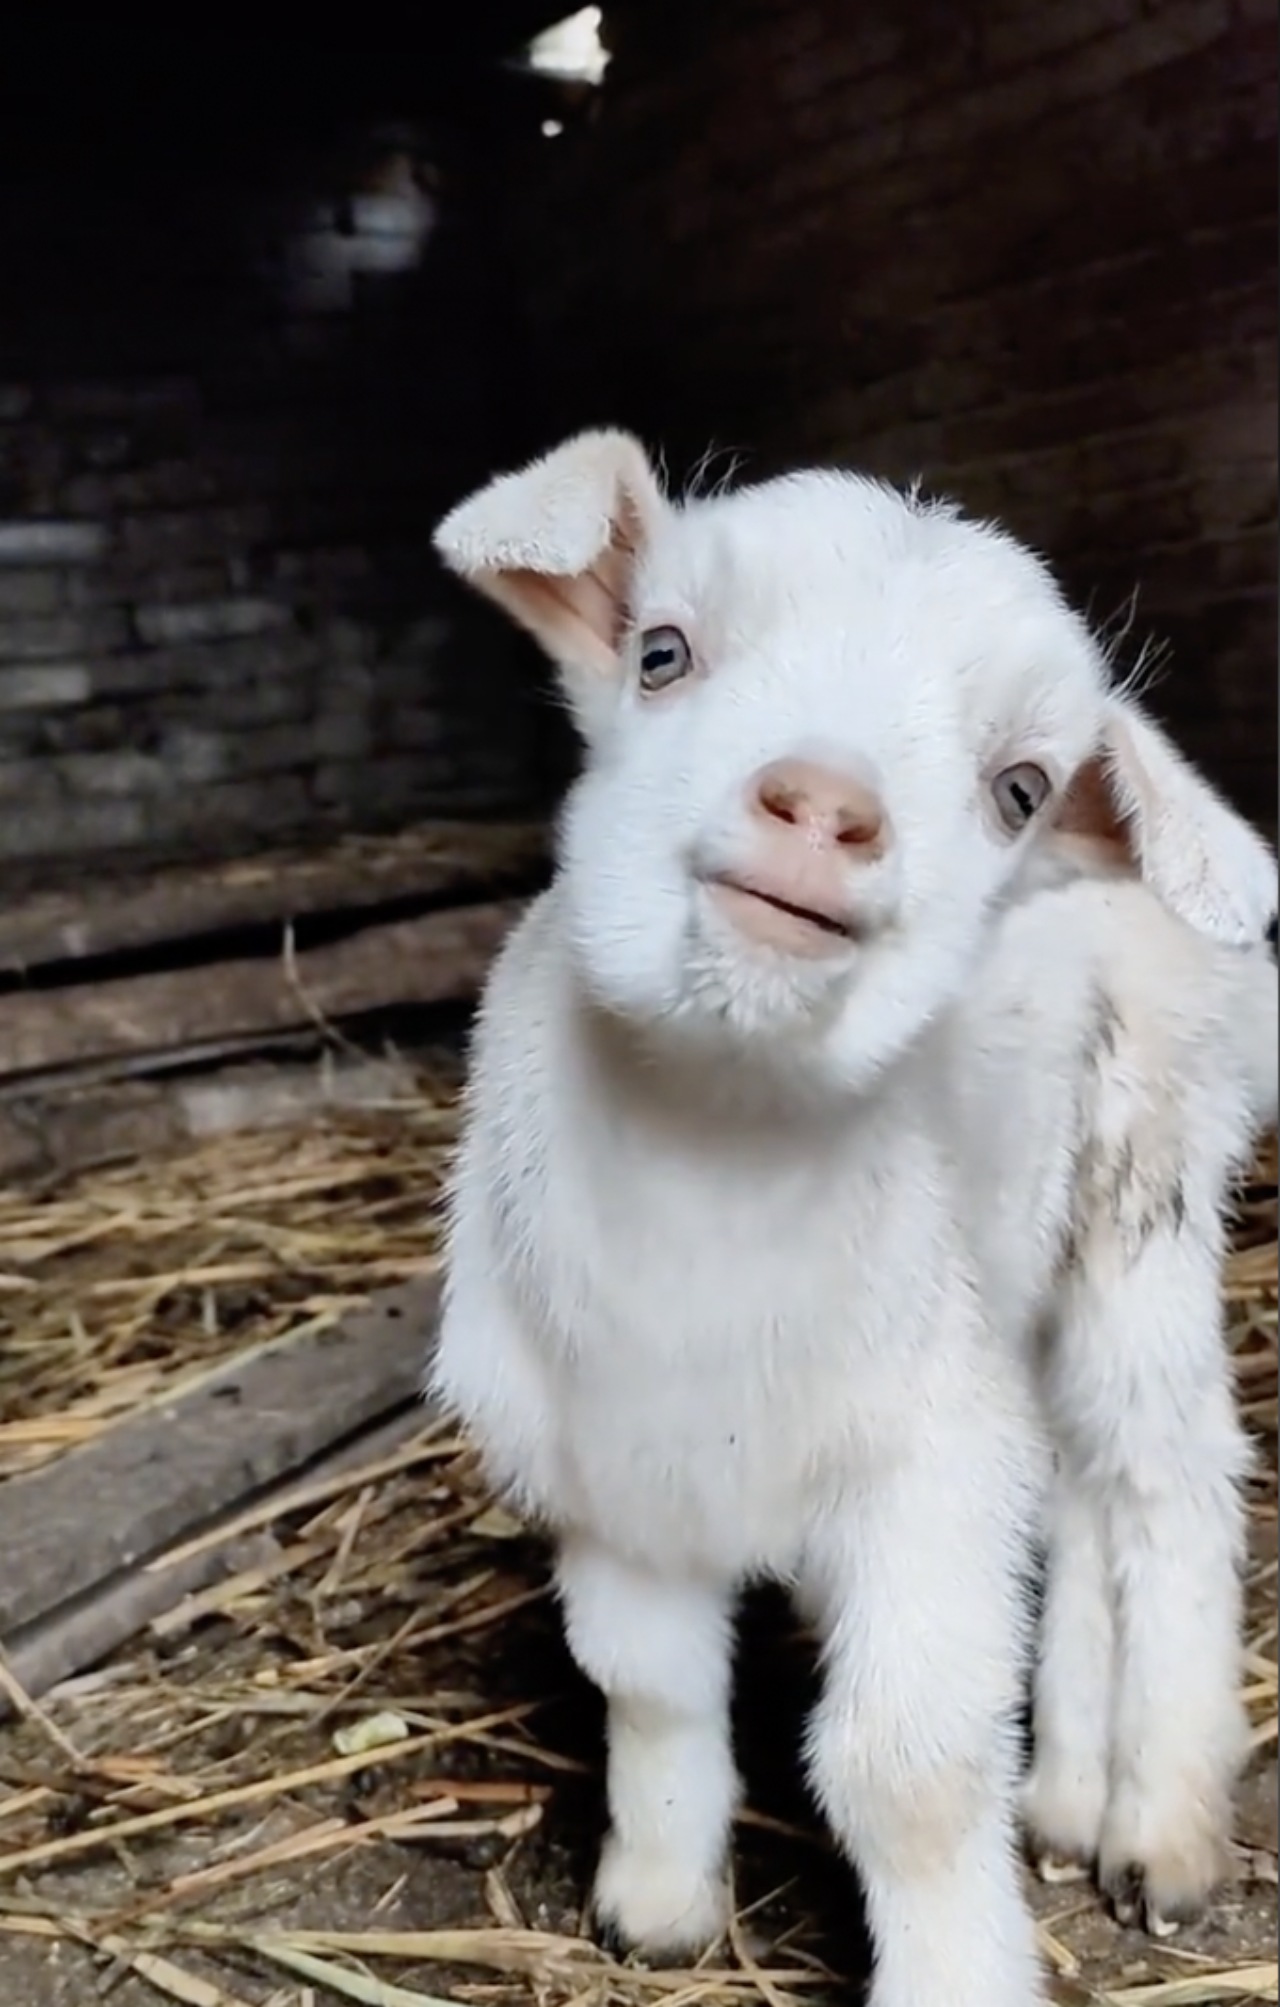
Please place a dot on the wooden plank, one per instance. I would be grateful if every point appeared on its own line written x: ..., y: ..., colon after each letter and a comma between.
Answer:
x: 76, y: 1122
x: 433, y: 959
x: 108, y: 1070
x: 118, y: 915
x: 88, y: 1628
x: 169, y: 1469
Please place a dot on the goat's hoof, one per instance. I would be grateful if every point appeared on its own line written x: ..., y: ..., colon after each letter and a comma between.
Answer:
x: 1169, y: 1888
x: 646, y: 1903
x: 1133, y: 1905
x: 1062, y: 1813
x: 1057, y: 1870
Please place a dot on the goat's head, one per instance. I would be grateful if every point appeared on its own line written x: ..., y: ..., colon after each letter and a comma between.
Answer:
x: 829, y: 727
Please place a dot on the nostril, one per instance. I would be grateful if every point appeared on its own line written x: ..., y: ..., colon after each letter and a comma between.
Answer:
x: 784, y: 802
x: 859, y: 828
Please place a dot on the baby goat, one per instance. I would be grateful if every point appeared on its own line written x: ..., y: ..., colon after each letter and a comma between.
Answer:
x: 807, y: 1152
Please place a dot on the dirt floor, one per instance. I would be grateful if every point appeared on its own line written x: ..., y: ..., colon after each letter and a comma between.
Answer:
x: 190, y: 1821
x: 510, y: 1857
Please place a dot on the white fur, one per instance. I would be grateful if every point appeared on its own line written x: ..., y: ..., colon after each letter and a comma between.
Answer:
x: 1108, y: 1074
x: 748, y: 1253
x: 1195, y: 853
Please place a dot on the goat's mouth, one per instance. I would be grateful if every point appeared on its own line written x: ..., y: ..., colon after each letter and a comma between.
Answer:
x: 766, y: 916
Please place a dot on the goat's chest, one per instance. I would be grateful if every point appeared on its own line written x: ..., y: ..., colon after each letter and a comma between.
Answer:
x: 717, y: 1327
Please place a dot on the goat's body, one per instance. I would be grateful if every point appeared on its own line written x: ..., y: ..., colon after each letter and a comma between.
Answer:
x: 808, y: 1144
x: 677, y: 1323
x: 702, y: 1279
x: 680, y: 1325
x: 685, y: 1315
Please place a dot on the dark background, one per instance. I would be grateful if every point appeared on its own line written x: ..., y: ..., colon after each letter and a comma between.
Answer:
x: 1028, y: 252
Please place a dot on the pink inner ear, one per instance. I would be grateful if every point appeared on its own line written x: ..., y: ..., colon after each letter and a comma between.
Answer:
x: 1090, y: 812
x: 580, y: 617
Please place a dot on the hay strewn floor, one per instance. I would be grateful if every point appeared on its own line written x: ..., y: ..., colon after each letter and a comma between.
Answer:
x: 122, y: 1285
x: 365, y: 1769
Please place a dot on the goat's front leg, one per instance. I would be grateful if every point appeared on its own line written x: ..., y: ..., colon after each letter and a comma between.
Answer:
x: 913, y: 1746
x: 1065, y: 1799
x: 661, y: 1651
x: 1142, y: 1391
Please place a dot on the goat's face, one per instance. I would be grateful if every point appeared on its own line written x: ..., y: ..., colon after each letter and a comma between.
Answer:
x: 836, y: 719
x: 826, y: 727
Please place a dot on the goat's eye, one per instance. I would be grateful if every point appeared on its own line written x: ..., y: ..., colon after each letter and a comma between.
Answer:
x: 1019, y: 793
x: 665, y: 657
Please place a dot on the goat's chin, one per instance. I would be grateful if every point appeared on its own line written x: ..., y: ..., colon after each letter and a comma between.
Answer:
x: 792, y: 1028
x: 688, y: 985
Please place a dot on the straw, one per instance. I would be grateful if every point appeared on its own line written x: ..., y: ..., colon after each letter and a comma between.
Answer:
x: 397, y: 1602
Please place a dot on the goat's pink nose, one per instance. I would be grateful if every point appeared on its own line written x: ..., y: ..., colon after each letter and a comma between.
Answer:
x: 819, y: 804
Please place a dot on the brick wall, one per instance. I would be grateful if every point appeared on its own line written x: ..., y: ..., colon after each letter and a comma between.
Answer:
x: 233, y: 399
x: 1027, y: 250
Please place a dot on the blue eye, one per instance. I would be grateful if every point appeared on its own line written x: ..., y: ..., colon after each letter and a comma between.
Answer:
x: 665, y: 657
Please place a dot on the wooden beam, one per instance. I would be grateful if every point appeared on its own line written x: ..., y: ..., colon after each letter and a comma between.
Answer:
x: 437, y: 958
x: 88, y: 1628
x: 79, y: 1119
x: 120, y: 915
x: 167, y: 1471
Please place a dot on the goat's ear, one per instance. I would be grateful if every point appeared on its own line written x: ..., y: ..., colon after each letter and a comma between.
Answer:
x: 555, y: 545
x: 1139, y: 807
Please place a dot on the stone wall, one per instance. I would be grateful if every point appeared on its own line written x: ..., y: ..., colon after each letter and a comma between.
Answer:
x: 238, y: 383
x: 1026, y: 250
x: 254, y: 341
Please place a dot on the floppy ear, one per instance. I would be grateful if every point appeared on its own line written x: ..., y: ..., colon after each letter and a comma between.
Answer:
x: 1136, y: 805
x: 555, y: 545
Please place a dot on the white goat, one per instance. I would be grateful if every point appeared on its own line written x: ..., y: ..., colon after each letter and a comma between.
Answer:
x: 795, y: 1110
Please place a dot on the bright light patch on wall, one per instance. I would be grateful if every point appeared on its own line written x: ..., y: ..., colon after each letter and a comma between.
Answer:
x: 571, y: 49
x: 551, y: 128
